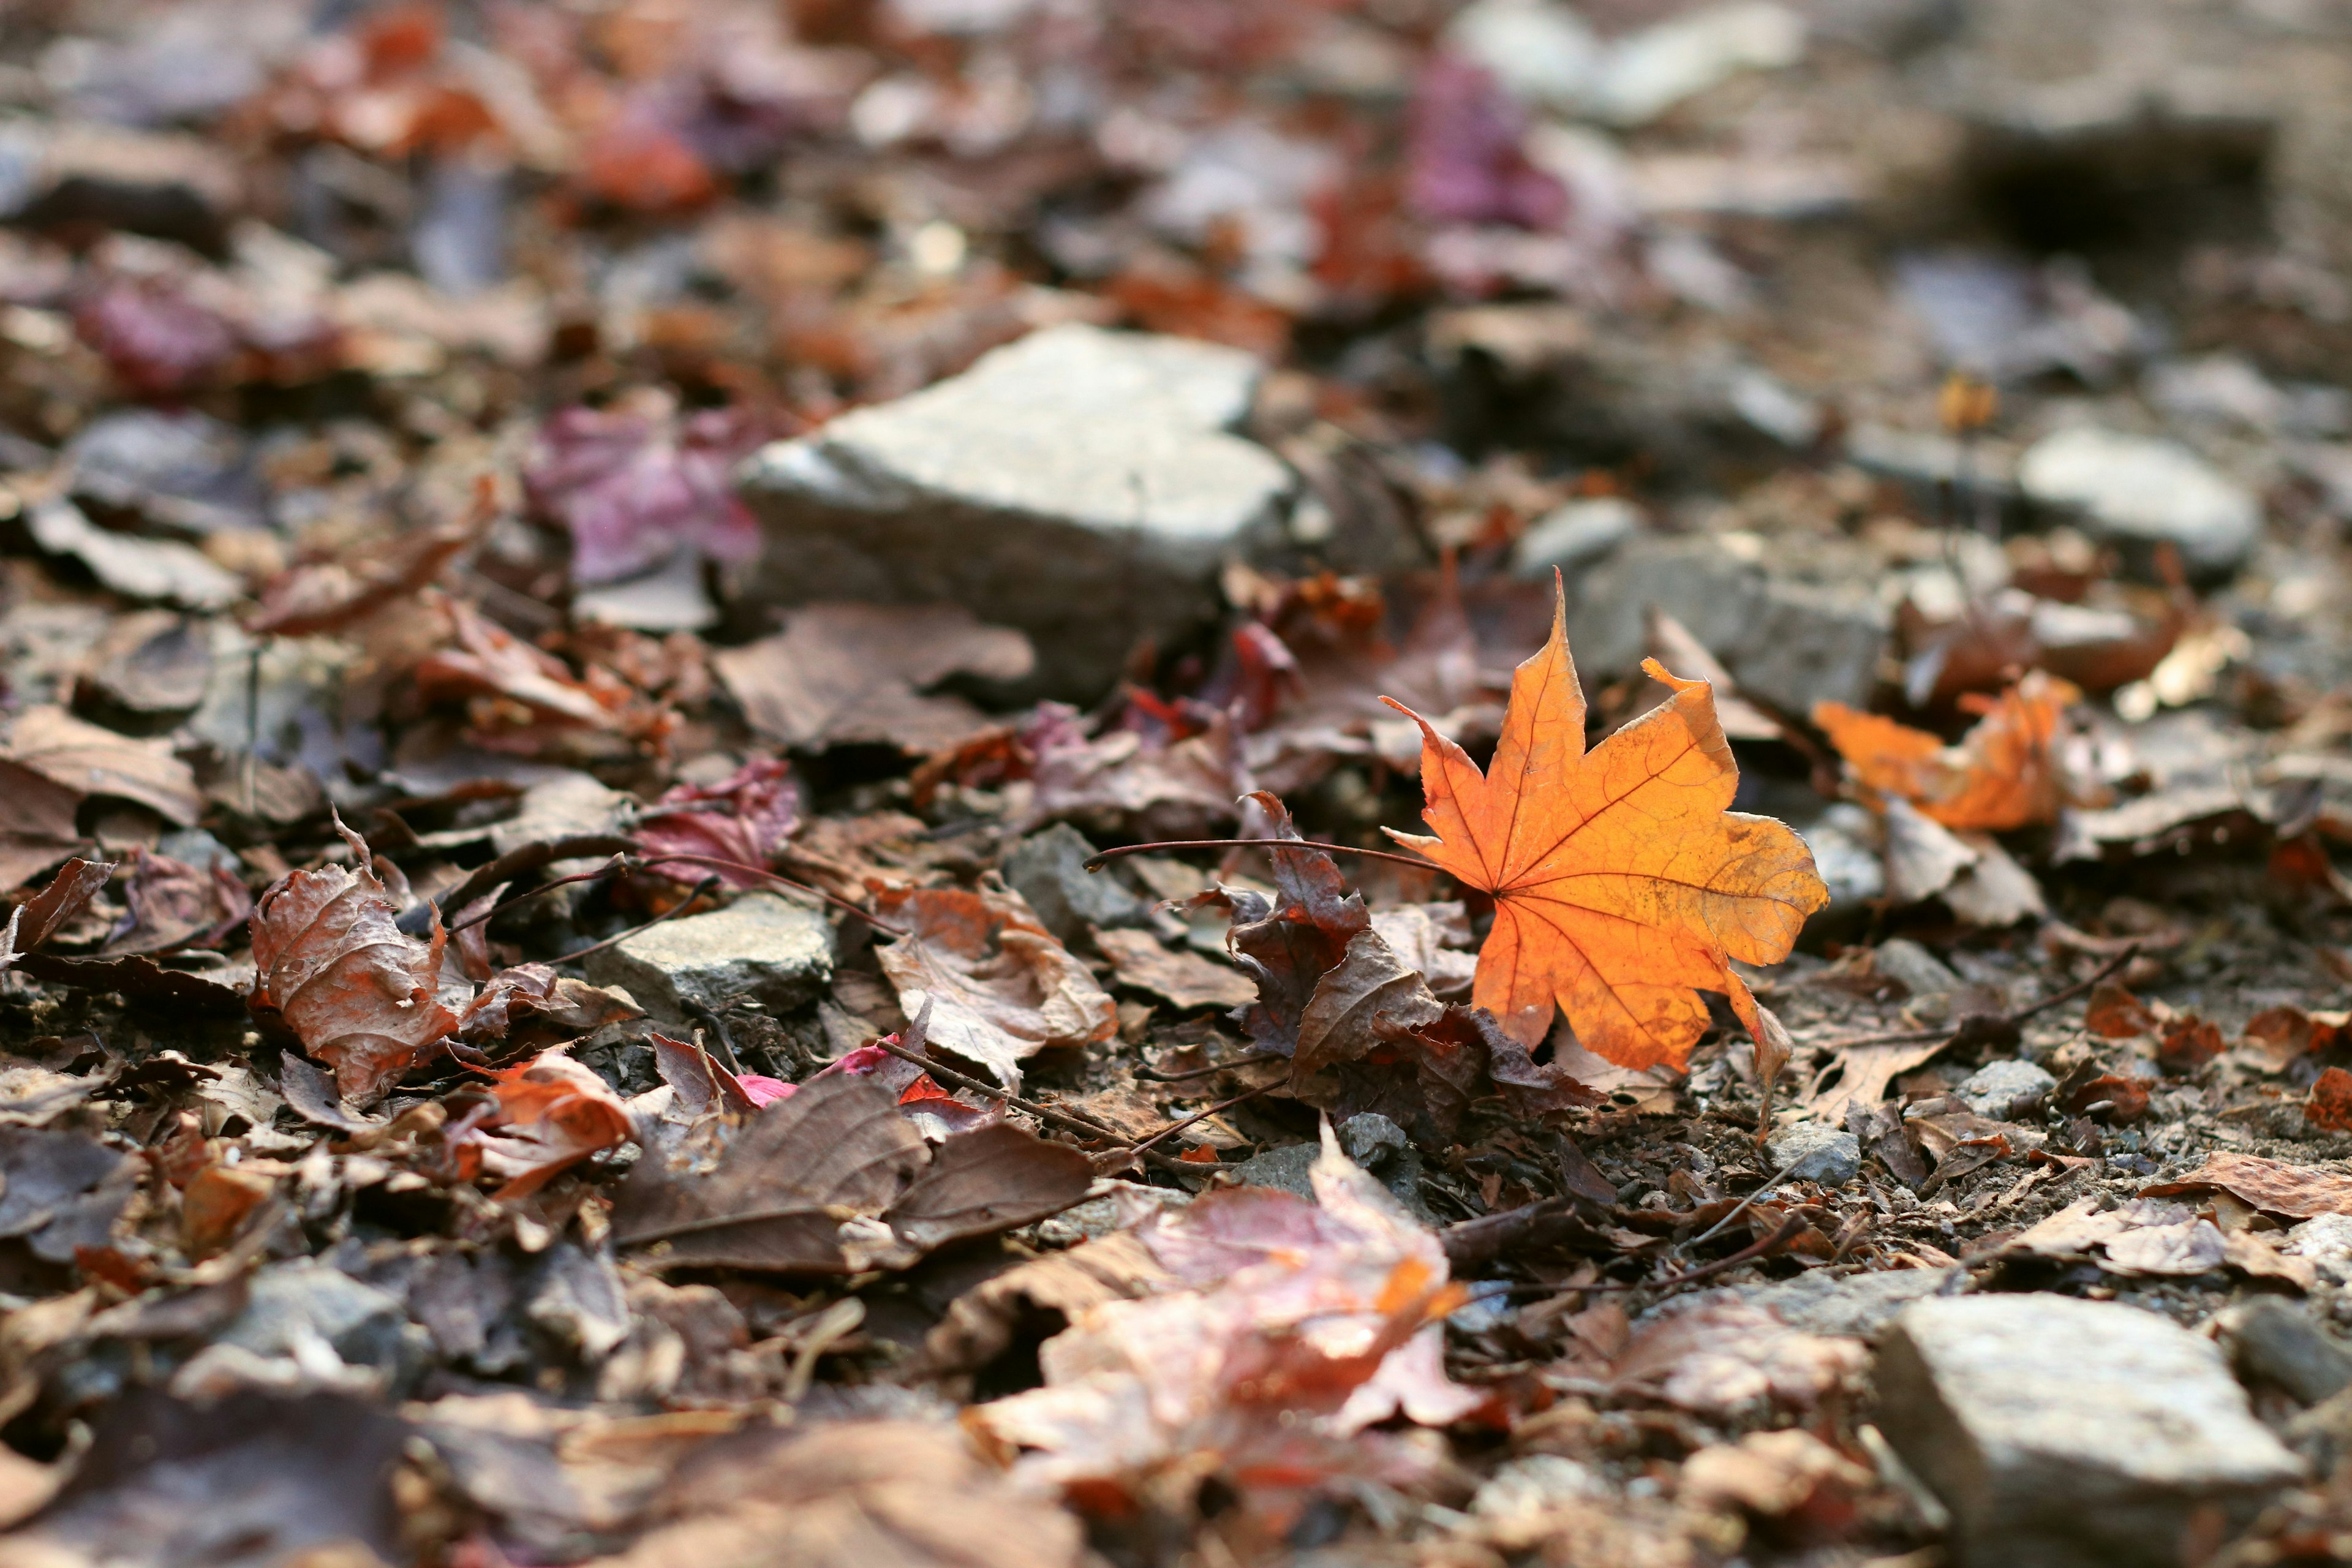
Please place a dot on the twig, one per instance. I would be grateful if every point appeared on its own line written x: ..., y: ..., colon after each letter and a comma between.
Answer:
x: 1749, y: 1254
x: 2019, y: 1015
x: 1156, y: 1075
x: 1094, y: 862
x: 705, y: 885
x: 840, y: 903
x: 1774, y: 1180
x: 617, y: 862
x: 1176, y: 1127
x: 1067, y: 1120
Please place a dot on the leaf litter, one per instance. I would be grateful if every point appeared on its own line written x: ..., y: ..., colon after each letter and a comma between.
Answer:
x: 390, y: 630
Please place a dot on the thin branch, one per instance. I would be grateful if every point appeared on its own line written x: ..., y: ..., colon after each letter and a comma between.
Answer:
x: 1155, y: 1076
x: 2019, y: 1015
x: 737, y: 866
x: 1176, y: 1127
x: 1094, y: 862
x: 705, y: 885
x: 617, y: 862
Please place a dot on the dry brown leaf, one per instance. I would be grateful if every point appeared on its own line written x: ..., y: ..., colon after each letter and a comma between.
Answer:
x: 2005, y: 773
x: 1718, y: 1358
x: 1139, y: 958
x: 2274, y: 1186
x: 840, y: 674
x: 1001, y: 988
x: 90, y: 760
x: 330, y: 958
x: 1622, y: 883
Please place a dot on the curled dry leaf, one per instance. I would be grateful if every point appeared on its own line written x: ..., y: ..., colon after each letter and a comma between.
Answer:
x: 176, y: 905
x: 745, y: 819
x: 1361, y: 1026
x: 1285, y: 1328
x: 331, y: 595
x: 520, y: 697
x: 1623, y: 884
x: 330, y: 958
x: 533, y: 996
x: 1720, y: 1358
x: 1001, y: 987
x: 545, y: 1117
x: 2005, y: 773
x: 833, y: 1180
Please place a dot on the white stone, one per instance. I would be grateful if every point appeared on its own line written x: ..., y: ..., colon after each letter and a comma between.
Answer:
x: 2067, y: 1433
x: 759, y: 947
x: 2138, y: 490
x: 1081, y: 485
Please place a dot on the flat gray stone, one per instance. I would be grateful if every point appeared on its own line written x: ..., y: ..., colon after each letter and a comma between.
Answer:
x: 1913, y: 967
x: 759, y: 947
x: 2066, y: 1434
x: 1079, y: 484
x: 1372, y: 1140
x: 2283, y: 1346
x: 1569, y: 536
x: 1791, y: 642
x: 292, y: 1303
x: 1856, y: 1306
x: 1049, y: 870
x: 2006, y: 1089
x: 1817, y: 1153
x: 2140, y: 492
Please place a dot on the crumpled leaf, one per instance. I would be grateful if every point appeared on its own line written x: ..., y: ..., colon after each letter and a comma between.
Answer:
x: 63, y: 1189
x: 1621, y: 883
x: 1285, y: 1328
x: 745, y: 819
x: 2005, y: 772
x: 635, y: 484
x: 834, y: 1179
x: 839, y: 674
x: 1001, y: 987
x: 330, y: 958
x: 1139, y: 959
x: 328, y: 596
x: 865, y: 1494
x: 545, y: 1117
x: 1361, y: 1026
x: 533, y: 996
x: 174, y: 905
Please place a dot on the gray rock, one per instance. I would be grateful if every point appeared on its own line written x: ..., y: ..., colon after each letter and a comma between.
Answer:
x: 1813, y: 1152
x: 759, y: 947
x: 1049, y: 870
x: 2066, y: 1434
x: 2140, y: 493
x: 1845, y: 842
x: 1080, y: 485
x: 185, y: 472
x: 291, y: 1304
x: 1856, y: 1306
x: 1790, y: 642
x: 1372, y: 1140
x: 2006, y: 1089
x: 1568, y: 536
x: 1913, y: 968
x: 2274, y: 1343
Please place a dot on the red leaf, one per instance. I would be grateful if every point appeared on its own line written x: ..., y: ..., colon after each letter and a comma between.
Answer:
x: 745, y: 819
x: 634, y: 483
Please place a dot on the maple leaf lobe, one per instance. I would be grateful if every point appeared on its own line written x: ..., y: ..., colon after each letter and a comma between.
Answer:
x: 1622, y: 882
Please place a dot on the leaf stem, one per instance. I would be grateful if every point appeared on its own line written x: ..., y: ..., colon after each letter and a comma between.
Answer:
x: 1094, y: 862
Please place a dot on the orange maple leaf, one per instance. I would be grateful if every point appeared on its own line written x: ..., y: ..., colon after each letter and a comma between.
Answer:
x: 1623, y: 886
x: 2003, y: 774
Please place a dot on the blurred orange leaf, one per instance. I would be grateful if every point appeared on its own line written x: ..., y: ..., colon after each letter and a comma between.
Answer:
x: 2003, y: 774
x: 1622, y: 885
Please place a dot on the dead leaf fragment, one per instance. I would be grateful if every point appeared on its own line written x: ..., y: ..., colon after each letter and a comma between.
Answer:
x: 1139, y: 959
x: 2273, y: 1186
x: 1622, y: 883
x: 1001, y: 988
x: 545, y: 1117
x: 839, y: 674
x: 90, y: 760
